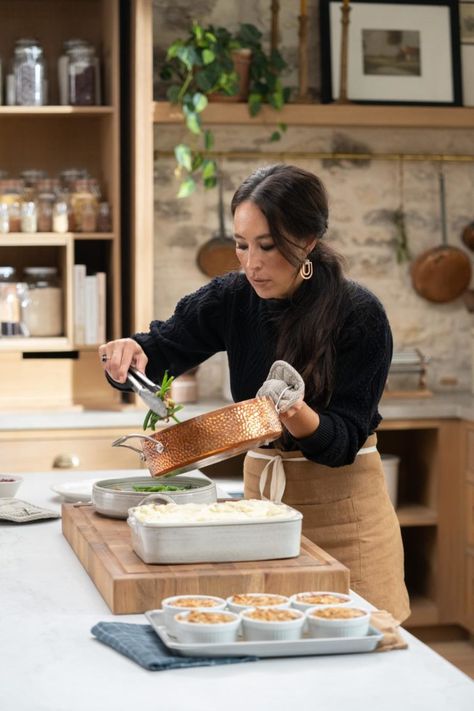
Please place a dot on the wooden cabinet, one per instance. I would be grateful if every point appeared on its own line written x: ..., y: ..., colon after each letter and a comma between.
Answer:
x: 430, y: 498
x: 468, y: 530
x: 54, y: 138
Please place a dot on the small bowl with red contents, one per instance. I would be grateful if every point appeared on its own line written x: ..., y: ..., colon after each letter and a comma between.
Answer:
x: 9, y: 485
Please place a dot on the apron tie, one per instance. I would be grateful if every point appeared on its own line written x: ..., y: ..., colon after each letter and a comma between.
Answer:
x: 277, y: 472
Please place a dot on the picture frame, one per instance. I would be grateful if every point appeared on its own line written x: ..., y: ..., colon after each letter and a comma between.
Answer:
x: 398, y: 52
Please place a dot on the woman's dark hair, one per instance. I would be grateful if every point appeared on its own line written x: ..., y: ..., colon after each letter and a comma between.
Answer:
x: 294, y: 202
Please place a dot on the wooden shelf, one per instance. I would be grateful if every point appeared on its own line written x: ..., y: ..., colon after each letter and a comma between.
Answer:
x: 27, y: 345
x: 331, y: 115
x: 32, y: 111
x: 415, y: 515
x: 424, y: 612
x: 50, y: 239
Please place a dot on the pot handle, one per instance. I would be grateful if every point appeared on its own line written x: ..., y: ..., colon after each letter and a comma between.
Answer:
x: 156, y: 497
x: 157, y: 446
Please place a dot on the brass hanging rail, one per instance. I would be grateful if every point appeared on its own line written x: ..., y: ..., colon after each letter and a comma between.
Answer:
x: 301, y: 155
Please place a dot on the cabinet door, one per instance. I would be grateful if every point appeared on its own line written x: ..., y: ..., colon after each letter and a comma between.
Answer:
x: 86, y: 449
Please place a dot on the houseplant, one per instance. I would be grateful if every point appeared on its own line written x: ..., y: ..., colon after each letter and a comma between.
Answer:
x: 203, y: 66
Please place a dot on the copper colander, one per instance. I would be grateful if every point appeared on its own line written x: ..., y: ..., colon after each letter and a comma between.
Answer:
x: 208, y: 438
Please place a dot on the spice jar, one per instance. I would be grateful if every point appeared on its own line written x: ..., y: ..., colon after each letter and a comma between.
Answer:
x: 12, y: 302
x: 43, y: 314
x: 84, y: 202
x: 31, y: 179
x: 11, y: 192
x: 82, y: 76
x: 45, y: 211
x: 4, y: 219
x: 29, y: 217
x: 29, y: 70
x: 61, y: 222
x: 104, y: 218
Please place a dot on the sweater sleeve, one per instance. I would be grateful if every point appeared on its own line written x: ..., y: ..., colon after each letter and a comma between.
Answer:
x: 362, y: 362
x: 194, y: 333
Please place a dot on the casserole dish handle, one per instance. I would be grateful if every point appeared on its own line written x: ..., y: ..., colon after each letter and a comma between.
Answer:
x: 156, y: 497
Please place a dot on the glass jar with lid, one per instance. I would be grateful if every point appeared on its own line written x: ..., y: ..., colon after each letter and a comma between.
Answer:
x: 43, y: 314
x: 29, y: 70
x: 82, y: 76
x: 63, y: 67
x: 45, y: 211
x: 11, y: 194
x: 13, y: 299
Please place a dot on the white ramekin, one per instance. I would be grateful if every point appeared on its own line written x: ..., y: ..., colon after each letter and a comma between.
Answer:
x: 285, y: 602
x: 170, y: 609
x: 272, y: 630
x: 202, y: 633
x: 345, y: 600
x: 9, y: 485
x: 349, y: 627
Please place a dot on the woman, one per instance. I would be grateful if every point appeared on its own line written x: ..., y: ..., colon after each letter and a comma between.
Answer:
x: 333, y: 346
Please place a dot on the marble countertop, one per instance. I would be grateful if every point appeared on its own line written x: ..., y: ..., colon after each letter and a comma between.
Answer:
x: 49, y: 661
x: 440, y: 406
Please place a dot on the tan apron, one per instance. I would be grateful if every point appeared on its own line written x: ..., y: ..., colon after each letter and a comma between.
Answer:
x: 346, y: 511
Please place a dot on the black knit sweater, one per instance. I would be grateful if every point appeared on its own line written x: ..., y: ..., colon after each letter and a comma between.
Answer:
x: 227, y: 315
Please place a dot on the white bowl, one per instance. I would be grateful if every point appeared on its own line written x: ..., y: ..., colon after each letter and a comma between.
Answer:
x: 206, y: 633
x: 272, y: 629
x: 337, y: 626
x: 254, y: 601
x: 172, y: 605
x: 299, y: 604
x: 9, y: 485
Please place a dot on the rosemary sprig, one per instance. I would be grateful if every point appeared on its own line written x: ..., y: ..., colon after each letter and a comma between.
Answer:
x: 151, y: 418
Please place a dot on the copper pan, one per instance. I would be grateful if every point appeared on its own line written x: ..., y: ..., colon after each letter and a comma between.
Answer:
x: 208, y: 438
x: 443, y: 273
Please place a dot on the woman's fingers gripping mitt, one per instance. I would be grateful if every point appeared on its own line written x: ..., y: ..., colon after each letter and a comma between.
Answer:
x: 284, y: 385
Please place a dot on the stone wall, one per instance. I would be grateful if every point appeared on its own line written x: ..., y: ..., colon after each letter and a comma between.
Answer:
x: 363, y: 196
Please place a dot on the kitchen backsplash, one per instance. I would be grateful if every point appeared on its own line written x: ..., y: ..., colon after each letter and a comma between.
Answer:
x: 363, y: 196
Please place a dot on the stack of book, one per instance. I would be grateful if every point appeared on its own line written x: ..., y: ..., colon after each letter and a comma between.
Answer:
x: 89, y: 306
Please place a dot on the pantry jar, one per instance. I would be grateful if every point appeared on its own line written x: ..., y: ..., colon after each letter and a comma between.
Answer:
x: 82, y: 76
x: 29, y: 70
x: 44, y: 308
x: 12, y: 303
x: 11, y: 194
x: 63, y: 68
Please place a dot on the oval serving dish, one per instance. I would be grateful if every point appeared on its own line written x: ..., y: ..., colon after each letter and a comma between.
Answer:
x: 114, y: 497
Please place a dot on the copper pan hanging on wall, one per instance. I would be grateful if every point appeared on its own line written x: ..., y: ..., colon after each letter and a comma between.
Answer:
x: 441, y: 274
x: 217, y: 256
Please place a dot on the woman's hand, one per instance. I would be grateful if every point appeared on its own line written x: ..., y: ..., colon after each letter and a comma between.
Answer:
x: 117, y: 357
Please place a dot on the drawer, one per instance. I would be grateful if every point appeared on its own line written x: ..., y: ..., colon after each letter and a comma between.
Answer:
x: 86, y: 449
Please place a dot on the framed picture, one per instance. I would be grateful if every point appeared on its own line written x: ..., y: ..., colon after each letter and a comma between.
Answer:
x: 398, y: 52
x: 466, y: 20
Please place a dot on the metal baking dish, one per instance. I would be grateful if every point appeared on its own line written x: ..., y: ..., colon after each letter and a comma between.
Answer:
x: 217, y: 542
x: 208, y: 438
x: 114, y: 497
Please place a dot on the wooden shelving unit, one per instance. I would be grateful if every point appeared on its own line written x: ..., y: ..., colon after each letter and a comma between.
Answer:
x: 55, y: 138
x: 333, y: 115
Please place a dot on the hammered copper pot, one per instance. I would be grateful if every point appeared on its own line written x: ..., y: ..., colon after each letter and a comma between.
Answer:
x: 208, y: 438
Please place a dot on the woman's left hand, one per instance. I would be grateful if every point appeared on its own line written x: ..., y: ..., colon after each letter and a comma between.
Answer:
x: 284, y: 385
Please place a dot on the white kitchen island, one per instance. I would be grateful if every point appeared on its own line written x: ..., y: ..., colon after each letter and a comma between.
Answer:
x: 49, y: 661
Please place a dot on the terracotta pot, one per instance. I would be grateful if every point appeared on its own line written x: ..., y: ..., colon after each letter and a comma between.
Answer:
x: 241, y: 59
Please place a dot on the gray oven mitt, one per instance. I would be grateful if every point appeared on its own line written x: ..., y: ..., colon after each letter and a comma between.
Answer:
x: 284, y: 385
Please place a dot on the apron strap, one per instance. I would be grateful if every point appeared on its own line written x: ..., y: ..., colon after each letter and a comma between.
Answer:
x: 278, y: 477
x: 277, y: 471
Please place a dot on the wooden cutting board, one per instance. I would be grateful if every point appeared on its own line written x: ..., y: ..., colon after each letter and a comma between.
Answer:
x: 128, y: 585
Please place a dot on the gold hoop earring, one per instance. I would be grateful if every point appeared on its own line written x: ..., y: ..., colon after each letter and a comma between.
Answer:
x: 306, y: 269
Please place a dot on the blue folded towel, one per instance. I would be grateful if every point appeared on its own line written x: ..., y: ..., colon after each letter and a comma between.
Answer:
x: 142, y: 644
